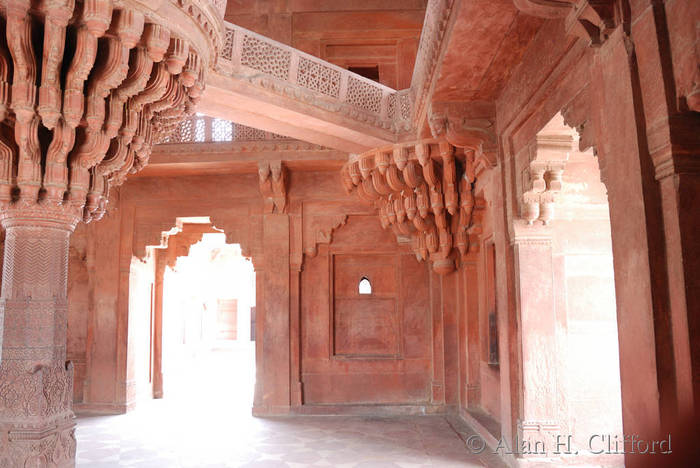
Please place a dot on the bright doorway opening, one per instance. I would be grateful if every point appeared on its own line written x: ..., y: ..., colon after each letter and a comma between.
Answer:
x: 208, y: 327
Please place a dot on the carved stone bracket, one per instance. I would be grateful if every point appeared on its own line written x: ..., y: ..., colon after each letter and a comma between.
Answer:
x: 273, y: 186
x: 422, y: 190
x: 77, y: 122
x: 470, y: 126
x: 592, y: 20
x: 322, y: 228
x: 544, y: 179
x: 577, y: 115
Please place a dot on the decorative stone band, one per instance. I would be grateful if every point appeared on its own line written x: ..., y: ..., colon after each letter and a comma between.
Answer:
x: 437, y: 17
x: 34, y: 285
x: 423, y: 190
x: 288, y: 71
x: 80, y: 118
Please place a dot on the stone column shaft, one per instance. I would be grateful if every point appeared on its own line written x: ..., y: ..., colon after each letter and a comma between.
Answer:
x: 36, y: 383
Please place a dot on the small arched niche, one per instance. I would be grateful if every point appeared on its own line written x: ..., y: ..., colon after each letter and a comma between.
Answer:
x: 364, y: 287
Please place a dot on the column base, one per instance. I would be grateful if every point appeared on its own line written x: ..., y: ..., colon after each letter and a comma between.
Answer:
x: 52, y: 446
x: 37, y: 426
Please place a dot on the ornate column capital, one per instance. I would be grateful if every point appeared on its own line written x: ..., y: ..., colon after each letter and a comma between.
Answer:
x: 40, y: 215
x: 423, y: 191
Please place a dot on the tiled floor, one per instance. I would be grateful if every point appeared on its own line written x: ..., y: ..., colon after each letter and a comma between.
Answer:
x: 218, y: 432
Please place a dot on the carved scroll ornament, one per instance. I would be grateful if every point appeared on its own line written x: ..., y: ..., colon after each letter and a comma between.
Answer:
x: 422, y: 190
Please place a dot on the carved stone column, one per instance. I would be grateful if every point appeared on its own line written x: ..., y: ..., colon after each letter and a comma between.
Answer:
x: 539, y: 422
x: 75, y: 121
x: 36, y: 417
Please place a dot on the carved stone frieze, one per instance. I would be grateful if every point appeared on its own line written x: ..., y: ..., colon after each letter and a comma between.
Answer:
x: 422, y: 190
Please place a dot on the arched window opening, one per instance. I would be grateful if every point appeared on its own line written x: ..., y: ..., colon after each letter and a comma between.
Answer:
x: 365, y: 287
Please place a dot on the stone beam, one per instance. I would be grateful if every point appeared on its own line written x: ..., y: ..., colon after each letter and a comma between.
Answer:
x: 268, y: 85
x: 239, y: 157
x: 240, y: 101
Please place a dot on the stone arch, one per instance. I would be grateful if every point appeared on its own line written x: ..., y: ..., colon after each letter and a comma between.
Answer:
x: 161, y: 238
x: 565, y: 290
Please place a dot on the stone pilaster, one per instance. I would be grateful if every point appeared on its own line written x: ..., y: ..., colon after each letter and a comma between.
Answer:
x: 539, y: 423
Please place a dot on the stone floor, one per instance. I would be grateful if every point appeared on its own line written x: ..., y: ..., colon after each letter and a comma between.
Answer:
x: 208, y: 426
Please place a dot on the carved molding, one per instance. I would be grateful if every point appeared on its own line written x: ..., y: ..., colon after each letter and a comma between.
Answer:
x: 592, y: 20
x: 273, y: 186
x: 422, y: 190
x: 577, y: 115
x: 438, y: 16
x: 248, y: 146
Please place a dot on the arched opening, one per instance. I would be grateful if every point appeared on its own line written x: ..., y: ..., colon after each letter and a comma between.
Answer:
x: 364, y: 287
x: 567, y: 309
x: 208, y: 311
x: 191, y: 319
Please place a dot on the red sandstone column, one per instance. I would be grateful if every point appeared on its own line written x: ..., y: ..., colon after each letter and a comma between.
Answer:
x: 272, y: 344
x: 536, y: 312
x: 674, y: 147
x: 437, y: 397
x: 473, y: 360
x: 161, y: 263
x: 635, y: 219
x: 36, y: 417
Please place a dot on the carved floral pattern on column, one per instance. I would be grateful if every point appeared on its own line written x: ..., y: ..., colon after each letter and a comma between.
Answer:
x: 35, y: 382
x: 80, y: 120
x: 423, y: 191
